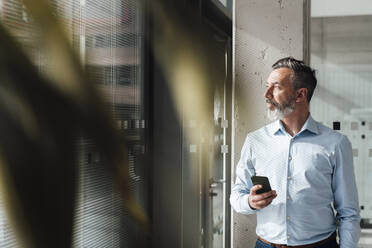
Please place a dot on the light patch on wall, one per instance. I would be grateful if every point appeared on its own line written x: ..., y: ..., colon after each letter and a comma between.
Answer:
x: 193, y: 148
x: 321, y: 8
x: 355, y: 152
x: 192, y: 123
x: 354, y: 125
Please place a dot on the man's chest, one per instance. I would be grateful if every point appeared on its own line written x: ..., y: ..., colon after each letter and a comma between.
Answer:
x: 300, y: 160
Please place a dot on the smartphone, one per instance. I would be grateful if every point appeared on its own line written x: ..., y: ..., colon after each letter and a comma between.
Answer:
x: 264, y: 181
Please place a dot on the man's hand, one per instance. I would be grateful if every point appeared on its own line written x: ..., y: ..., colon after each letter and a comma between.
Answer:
x: 259, y: 201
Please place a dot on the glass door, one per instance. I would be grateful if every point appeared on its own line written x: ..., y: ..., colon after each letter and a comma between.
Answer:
x: 217, y: 170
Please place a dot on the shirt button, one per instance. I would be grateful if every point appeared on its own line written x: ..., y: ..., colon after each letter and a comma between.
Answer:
x: 287, y: 197
x: 289, y: 178
x: 288, y: 236
x: 288, y: 218
x: 290, y: 158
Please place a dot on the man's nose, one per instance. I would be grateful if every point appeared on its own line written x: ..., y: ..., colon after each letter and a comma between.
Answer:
x: 268, y: 92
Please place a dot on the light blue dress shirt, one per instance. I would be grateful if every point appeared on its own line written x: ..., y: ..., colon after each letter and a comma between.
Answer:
x: 313, y: 175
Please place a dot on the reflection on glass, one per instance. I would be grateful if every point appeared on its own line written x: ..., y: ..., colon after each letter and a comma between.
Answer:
x: 216, y: 171
x: 227, y: 4
x: 341, y: 52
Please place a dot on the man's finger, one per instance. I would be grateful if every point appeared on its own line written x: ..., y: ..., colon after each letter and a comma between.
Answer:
x: 259, y: 200
x: 260, y: 197
x: 268, y: 194
x: 265, y: 202
x: 255, y: 188
x: 262, y: 205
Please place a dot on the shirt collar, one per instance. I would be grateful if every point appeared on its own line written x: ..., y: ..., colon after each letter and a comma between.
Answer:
x: 309, y: 125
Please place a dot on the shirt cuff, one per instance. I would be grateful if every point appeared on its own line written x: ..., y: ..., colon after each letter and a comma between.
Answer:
x: 245, y: 205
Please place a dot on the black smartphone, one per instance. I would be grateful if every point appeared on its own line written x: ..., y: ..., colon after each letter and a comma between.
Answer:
x: 264, y: 181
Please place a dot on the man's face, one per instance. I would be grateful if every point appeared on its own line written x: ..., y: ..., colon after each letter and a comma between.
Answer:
x: 280, y: 95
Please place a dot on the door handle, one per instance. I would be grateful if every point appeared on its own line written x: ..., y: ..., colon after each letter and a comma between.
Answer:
x: 212, y: 194
x: 213, y: 183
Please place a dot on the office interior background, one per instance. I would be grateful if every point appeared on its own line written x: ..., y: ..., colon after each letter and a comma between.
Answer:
x: 184, y: 82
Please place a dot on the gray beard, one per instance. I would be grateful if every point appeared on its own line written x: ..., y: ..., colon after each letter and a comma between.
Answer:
x: 278, y: 114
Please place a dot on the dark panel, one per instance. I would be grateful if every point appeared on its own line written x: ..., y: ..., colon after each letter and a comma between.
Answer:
x: 216, y: 17
x: 167, y: 172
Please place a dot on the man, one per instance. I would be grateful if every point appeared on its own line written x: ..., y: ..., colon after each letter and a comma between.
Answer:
x: 309, y: 166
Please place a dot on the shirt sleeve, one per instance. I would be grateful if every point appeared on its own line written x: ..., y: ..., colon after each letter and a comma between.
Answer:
x: 346, y: 196
x: 243, y: 183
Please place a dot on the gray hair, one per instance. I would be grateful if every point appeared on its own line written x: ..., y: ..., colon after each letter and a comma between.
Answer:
x: 303, y: 76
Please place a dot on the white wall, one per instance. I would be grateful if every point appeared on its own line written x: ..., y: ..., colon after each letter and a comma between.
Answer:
x: 264, y: 31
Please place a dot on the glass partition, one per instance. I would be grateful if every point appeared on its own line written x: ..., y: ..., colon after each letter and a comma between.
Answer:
x: 341, y: 52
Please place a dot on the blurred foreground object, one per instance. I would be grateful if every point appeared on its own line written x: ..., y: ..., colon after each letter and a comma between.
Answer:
x: 45, y: 115
x: 42, y: 119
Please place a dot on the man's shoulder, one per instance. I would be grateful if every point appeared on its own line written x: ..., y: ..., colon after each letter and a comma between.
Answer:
x: 329, y: 133
x: 261, y: 132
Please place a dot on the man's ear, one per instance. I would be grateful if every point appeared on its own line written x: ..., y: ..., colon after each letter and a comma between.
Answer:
x: 301, y: 95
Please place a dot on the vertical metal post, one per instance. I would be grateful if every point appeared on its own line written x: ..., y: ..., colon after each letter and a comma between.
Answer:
x: 228, y: 134
x: 306, y: 31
